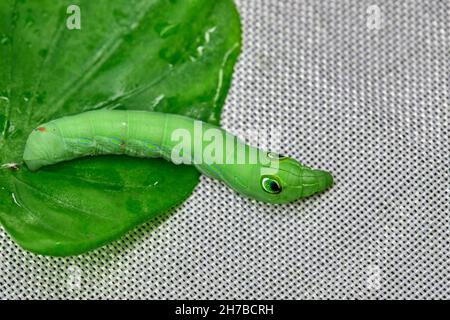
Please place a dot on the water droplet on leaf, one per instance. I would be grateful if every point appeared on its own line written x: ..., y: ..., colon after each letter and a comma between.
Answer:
x: 4, y: 40
x: 165, y: 29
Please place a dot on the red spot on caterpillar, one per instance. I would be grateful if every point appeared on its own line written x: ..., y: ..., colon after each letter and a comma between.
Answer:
x: 41, y: 129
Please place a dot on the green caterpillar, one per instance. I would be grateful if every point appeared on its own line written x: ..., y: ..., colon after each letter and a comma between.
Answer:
x: 271, y: 178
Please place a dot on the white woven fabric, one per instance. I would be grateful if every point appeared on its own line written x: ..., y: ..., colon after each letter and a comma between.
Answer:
x: 369, y: 104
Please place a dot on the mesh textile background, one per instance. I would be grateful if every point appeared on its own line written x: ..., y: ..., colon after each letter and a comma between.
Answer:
x: 370, y: 105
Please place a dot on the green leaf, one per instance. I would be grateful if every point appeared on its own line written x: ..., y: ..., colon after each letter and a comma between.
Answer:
x: 174, y: 56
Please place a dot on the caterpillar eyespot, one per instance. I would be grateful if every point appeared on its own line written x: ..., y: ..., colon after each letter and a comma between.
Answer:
x: 271, y: 184
x: 273, y: 155
x: 152, y: 134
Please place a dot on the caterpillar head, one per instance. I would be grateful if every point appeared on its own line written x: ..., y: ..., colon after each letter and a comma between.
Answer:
x: 285, y: 180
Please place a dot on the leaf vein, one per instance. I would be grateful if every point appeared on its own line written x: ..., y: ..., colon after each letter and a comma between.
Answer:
x: 36, y: 218
x: 60, y: 202
x: 101, y: 56
x: 55, y: 39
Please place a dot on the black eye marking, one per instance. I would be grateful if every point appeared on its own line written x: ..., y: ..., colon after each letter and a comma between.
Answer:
x: 275, y: 186
x: 271, y: 184
x: 273, y: 155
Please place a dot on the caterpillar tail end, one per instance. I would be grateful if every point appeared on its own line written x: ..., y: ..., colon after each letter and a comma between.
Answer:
x: 43, y: 147
x: 32, y: 161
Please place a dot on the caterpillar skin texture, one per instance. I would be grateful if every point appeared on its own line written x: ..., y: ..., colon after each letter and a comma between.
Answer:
x: 150, y: 134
